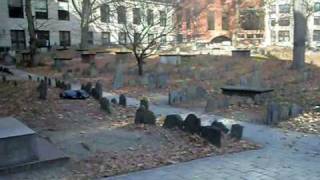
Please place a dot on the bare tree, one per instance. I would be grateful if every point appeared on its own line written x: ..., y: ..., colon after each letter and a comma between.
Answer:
x: 32, y: 32
x: 149, y: 26
x: 300, y: 27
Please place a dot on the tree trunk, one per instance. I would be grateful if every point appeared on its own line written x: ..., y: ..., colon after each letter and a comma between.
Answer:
x: 299, y: 35
x: 140, y: 66
x: 32, y: 34
x: 85, y: 24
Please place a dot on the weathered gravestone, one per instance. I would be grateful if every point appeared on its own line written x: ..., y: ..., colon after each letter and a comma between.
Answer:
x: 97, y: 91
x: 122, y: 100
x: 144, y: 102
x: 144, y: 116
x: 192, y: 124
x: 176, y: 97
x: 212, y: 134
x: 219, y: 102
x: 43, y: 89
x: 118, y: 77
x: 105, y: 105
x: 221, y: 126
x: 88, y: 87
x: 114, y: 101
x: 173, y: 121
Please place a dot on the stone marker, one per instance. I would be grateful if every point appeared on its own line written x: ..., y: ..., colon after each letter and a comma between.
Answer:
x: 173, y: 121
x: 236, y: 131
x: 114, y: 101
x: 43, y: 89
x: 144, y: 116
x: 220, y: 126
x: 192, y: 124
x: 144, y: 102
x: 98, y: 90
x: 273, y: 114
x: 105, y: 105
x: 118, y: 77
x: 212, y: 134
x: 122, y: 100
x: 88, y: 88
x: 30, y: 77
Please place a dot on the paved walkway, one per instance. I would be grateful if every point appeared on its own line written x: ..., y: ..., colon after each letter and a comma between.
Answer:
x: 285, y: 155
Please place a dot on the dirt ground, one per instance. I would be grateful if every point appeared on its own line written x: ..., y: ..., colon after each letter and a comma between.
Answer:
x: 100, y: 144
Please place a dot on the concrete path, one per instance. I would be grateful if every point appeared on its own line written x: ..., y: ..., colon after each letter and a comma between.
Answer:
x: 285, y: 155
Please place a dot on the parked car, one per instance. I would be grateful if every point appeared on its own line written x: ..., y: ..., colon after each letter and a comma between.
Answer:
x: 74, y: 94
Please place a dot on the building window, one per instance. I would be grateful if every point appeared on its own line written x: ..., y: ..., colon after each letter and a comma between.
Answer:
x: 179, y: 38
x: 163, y: 18
x: 65, y: 39
x: 121, y: 11
x: 18, y: 39
x: 63, y: 10
x: 284, y: 8
x: 43, y: 38
x: 225, y: 21
x: 273, y: 9
x: 284, y: 36
x: 105, y: 38
x: 105, y: 13
x: 316, y: 20
x: 273, y: 22
x: 316, y: 35
x: 90, y: 38
x: 316, y: 6
x: 284, y: 21
x: 136, y: 16
x: 150, y: 17
x: 15, y: 8
x: 210, y: 20
x: 41, y: 9
x: 273, y: 36
x: 122, y: 38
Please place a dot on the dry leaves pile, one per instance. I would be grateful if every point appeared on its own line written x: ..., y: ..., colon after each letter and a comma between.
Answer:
x: 306, y: 123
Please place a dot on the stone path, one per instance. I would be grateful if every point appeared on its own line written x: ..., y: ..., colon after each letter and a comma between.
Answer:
x: 285, y: 155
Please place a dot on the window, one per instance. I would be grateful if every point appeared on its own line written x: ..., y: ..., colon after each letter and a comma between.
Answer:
x: 18, y: 39
x: 90, y: 38
x: 179, y: 38
x: 249, y: 36
x: 136, y: 16
x: 316, y: 35
x: 105, y: 13
x: 150, y: 38
x: 150, y: 17
x: 121, y: 11
x: 284, y: 21
x: 122, y: 38
x: 163, y: 18
x: 210, y: 20
x: 225, y: 21
x: 273, y: 36
x: 179, y: 19
x: 15, y: 8
x: 136, y: 37
x: 284, y: 36
x: 316, y: 20
x: 64, y: 37
x: 316, y: 6
x: 105, y: 38
x: 284, y: 8
x: 273, y: 22
x: 43, y: 38
x: 63, y: 10
x: 273, y: 9
x: 41, y: 9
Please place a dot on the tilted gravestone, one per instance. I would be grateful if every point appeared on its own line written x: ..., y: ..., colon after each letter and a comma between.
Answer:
x: 98, y: 90
x: 212, y: 134
x: 144, y: 116
x: 88, y: 87
x: 122, y: 100
x: 43, y: 89
x: 192, y: 124
x: 236, y: 131
x: 173, y: 121
x: 221, y: 126
x: 114, y: 101
x: 105, y: 105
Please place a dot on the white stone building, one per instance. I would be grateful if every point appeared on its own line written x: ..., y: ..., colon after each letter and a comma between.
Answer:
x: 279, y: 23
x: 57, y: 23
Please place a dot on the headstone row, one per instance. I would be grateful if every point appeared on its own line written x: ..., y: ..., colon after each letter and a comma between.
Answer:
x: 186, y: 94
x: 279, y: 112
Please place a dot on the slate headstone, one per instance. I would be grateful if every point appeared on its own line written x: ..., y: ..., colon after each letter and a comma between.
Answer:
x: 220, y: 126
x: 105, y: 105
x: 144, y: 116
x: 236, y: 131
x: 192, y: 124
x: 122, y: 100
x: 212, y: 134
x: 173, y: 121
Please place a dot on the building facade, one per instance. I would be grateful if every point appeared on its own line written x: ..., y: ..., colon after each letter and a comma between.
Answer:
x: 58, y: 24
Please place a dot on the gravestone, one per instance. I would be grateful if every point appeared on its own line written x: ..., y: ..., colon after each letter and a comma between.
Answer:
x: 88, y: 87
x: 273, y: 114
x: 144, y: 102
x: 219, y: 102
x: 212, y: 134
x: 43, y: 89
x: 176, y: 97
x: 114, y: 101
x: 98, y: 90
x: 192, y: 124
x: 173, y: 121
x: 221, y: 126
x: 105, y: 105
x: 173, y: 59
x: 236, y: 131
x: 122, y: 100
x: 295, y: 110
x: 239, y: 53
x: 118, y: 77
x: 144, y: 116
x: 17, y: 143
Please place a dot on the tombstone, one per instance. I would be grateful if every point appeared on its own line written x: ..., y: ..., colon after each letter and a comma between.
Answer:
x: 220, y: 126
x: 144, y: 102
x: 43, y: 89
x: 173, y: 121
x: 212, y: 134
x: 98, y: 90
x: 144, y: 116
x: 114, y: 101
x: 192, y: 124
x: 173, y: 59
x: 273, y: 114
x: 122, y: 100
x: 88, y: 87
x: 236, y: 131
x: 219, y: 102
x: 176, y: 97
x: 118, y: 77
x: 105, y: 105
x: 30, y: 77
x: 295, y: 110
x: 49, y: 82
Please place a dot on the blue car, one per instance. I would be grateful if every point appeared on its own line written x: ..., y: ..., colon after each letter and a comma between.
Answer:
x: 74, y: 94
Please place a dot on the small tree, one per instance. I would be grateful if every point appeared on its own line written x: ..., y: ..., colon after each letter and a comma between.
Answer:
x: 145, y: 31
